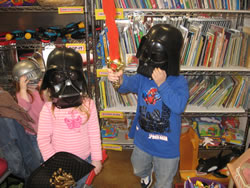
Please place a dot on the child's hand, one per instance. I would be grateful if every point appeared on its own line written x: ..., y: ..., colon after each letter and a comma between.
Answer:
x: 98, y: 166
x: 23, y: 83
x: 115, y: 76
x: 159, y: 76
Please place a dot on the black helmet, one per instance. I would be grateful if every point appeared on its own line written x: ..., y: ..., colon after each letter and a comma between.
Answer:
x: 64, y: 77
x: 160, y: 47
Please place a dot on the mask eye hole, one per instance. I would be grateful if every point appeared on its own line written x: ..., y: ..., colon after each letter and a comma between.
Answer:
x: 57, y: 77
x: 157, y: 57
x: 73, y: 75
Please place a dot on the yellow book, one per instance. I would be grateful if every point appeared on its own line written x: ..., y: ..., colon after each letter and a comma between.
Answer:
x: 236, y: 92
x: 104, y: 94
x: 220, y: 80
x: 105, y: 44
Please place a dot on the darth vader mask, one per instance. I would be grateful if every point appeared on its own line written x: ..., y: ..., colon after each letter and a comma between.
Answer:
x: 160, y: 48
x: 64, y: 78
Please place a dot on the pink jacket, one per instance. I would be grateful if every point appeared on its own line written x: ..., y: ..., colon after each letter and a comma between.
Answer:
x: 33, y: 108
x: 67, y: 130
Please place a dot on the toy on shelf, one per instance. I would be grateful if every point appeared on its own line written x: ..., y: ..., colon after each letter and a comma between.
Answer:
x: 234, y: 136
x: 73, y: 27
x: 230, y: 122
x: 29, y: 34
x: 15, y: 35
x: 45, y: 35
x: 11, y: 3
x: 109, y: 132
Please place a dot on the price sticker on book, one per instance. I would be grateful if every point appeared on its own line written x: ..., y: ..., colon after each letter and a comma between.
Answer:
x: 111, y: 114
x: 101, y: 72
x: 99, y: 14
x: 71, y: 10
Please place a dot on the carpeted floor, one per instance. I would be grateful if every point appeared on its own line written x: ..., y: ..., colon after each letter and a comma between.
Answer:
x: 117, y: 172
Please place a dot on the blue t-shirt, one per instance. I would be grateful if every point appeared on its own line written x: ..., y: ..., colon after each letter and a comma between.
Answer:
x: 157, y: 125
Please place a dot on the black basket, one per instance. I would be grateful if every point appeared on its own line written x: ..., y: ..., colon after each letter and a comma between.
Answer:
x: 77, y: 167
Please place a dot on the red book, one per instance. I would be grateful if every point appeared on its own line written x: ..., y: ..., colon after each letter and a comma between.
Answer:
x: 153, y: 3
x: 207, y: 51
x: 212, y: 50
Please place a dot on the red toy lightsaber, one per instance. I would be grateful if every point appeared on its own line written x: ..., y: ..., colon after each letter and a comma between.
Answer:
x: 113, y: 61
x: 92, y: 173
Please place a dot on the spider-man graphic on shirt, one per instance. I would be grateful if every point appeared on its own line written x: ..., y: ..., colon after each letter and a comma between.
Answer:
x: 151, y: 96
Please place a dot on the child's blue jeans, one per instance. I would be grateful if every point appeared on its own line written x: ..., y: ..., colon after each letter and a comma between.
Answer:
x: 33, y: 139
x: 164, y: 169
x: 81, y: 182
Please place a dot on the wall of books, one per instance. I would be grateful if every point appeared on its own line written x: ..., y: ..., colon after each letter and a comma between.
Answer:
x: 209, y: 43
x: 179, y: 4
x: 216, y: 47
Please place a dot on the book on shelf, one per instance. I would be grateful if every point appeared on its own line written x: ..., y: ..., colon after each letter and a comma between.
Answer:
x: 211, y: 56
x: 205, y: 87
x: 246, y: 30
x: 202, y: 55
x: 225, y: 98
x: 177, y: 4
x: 160, y: 4
x: 237, y: 89
x: 218, y: 43
x: 227, y: 86
x: 243, y: 49
x: 100, y: 49
x: 103, y: 93
x: 154, y: 4
x: 235, y: 47
x: 184, y: 32
x: 227, y: 101
x: 228, y: 54
x: 196, y: 29
x: 195, y: 95
x: 133, y: 40
x: 194, y: 84
x: 231, y: 95
x: 208, y: 49
x: 216, y: 88
x: 190, y: 38
x: 242, y: 93
x: 223, y: 51
x: 227, y: 39
x: 131, y: 61
x: 198, y: 54
x: 212, y: 86
x: 220, y: 94
x: 238, y: 48
x: 246, y: 97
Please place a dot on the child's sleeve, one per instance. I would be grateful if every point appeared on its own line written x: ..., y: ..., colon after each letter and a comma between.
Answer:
x: 130, y: 84
x: 175, y: 95
x: 23, y: 103
x: 94, y: 133
x: 45, y: 133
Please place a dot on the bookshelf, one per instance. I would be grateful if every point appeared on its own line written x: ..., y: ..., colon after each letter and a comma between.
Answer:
x: 33, y: 17
x: 237, y: 17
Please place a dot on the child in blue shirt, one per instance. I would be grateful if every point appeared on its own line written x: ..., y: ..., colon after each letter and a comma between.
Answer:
x: 162, y: 97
